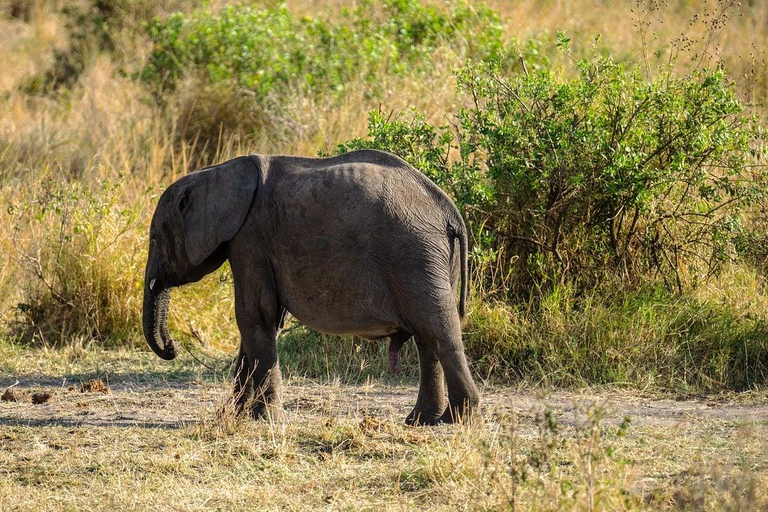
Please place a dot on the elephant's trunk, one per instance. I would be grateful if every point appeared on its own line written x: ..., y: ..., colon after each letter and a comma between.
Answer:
x: 155, y: 321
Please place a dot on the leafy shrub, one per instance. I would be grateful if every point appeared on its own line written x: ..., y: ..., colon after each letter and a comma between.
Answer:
x: 610, y: 170
x: 570, y: 177
x: 270, y: 52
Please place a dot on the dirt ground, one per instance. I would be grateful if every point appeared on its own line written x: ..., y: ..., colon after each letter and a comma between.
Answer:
x: 167, y: 404
x: 124, y: 431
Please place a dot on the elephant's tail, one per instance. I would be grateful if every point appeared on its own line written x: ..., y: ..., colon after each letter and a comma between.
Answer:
x: 461, y: 234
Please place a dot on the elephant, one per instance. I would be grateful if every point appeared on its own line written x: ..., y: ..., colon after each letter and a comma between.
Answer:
x: 361, y: 244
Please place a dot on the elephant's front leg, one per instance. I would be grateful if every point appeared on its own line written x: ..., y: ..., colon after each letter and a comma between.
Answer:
x: 257, y: 381
x: 258, y: 384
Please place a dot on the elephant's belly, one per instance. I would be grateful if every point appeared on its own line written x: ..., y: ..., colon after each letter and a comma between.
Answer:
x: 344, y: 307
x: 372, y: 329
x: 364, y: 330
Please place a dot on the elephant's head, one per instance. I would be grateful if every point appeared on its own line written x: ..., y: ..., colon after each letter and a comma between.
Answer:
x: 194, y: 219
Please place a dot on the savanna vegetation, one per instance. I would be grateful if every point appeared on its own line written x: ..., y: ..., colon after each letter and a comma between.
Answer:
x: 613, y: 186
x: 609, y: 159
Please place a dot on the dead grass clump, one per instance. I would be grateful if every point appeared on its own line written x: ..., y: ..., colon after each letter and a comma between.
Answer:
x: 14, y: 395
x: 81, y: 250
x: 30, y: 33
x: 94, y: 386
x: 210, y: 117
x: 371, y: 425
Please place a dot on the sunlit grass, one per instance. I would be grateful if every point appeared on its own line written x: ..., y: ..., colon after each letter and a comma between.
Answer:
x: 166, y: 422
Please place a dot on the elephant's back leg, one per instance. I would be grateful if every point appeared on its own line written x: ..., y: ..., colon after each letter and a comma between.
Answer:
x: 396, y: 342
x: 431, y: 402
x: 437, y: 328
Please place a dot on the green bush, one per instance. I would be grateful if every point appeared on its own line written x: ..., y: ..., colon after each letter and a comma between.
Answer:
x: 270, y: 52
x: 605, y: 171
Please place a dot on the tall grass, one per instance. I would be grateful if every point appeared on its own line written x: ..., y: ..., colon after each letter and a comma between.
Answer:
x: 651, y: 31
x: 646, y: 338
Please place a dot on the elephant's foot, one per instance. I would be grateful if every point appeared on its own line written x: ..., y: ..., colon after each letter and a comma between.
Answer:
x: 465, y: 413
x: 269, y: 412
x: 422, y: 418
x: 257, y: 405
x: 261, y: 401
x: 258, y: 410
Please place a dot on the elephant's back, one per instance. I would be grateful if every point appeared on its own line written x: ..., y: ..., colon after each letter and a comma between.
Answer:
x: 366, y: 182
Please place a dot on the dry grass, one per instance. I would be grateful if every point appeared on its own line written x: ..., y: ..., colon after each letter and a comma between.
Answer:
x: 163, y: 439
x: 639, y: 30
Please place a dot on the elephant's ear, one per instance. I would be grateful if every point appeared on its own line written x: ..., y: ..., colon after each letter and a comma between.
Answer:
x: 214, y: 206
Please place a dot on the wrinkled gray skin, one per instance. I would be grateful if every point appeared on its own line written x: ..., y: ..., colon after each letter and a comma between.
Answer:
x: 356, y: 244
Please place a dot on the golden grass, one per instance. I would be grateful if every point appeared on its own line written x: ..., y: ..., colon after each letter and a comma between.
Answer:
x: 163, y: 439
x: 740, y: 42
